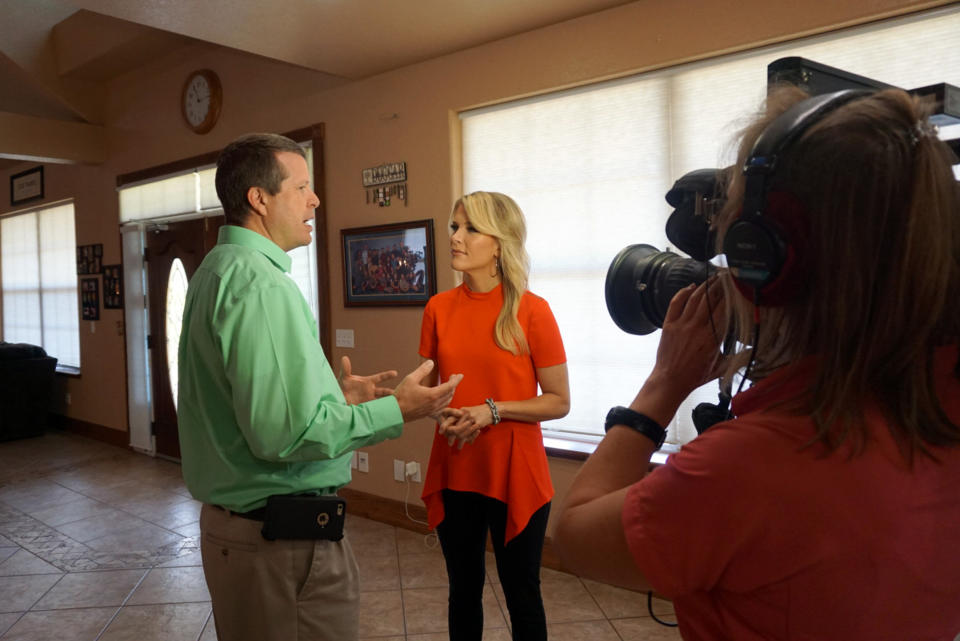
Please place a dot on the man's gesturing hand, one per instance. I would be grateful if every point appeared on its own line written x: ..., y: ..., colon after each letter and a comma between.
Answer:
x: 360, y: 389
x: 417, y: 400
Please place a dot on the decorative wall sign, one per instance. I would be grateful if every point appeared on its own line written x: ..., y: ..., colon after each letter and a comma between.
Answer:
x: 90, y: 298
x: 112, y: 287
x: 89, y: 258
x: 388, y: 264
x: 26, y: 186
x: 377, y: 181
x: 391, y: 172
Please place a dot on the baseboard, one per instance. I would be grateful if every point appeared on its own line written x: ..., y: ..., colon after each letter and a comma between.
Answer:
x: 89, y: 430
x: 392, y: 512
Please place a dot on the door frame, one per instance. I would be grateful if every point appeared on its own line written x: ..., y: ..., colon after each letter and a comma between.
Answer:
x: 140, y: 411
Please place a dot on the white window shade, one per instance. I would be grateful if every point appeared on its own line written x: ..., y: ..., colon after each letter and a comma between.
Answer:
x: 589, y: 168
x: 40, y: 282
x: 166, y: 197
x: 21, y: 279
x: 207, y: 187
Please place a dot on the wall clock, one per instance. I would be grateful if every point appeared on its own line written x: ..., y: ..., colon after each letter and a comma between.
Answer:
x: 201, y: 100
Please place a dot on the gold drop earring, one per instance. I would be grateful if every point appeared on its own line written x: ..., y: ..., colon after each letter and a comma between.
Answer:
x: 496, y: 268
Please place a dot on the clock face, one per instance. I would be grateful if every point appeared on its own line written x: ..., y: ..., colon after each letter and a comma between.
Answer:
x: 196, y: 103
x: 201, y: 100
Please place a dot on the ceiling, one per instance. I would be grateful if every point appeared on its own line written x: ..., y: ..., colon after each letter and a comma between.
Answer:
x: 57, y: 56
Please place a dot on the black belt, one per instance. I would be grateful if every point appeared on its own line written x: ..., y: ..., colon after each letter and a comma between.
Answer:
x: 258, y: 514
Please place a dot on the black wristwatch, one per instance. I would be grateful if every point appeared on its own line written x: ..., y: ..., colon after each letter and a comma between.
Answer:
x: 644, y: 424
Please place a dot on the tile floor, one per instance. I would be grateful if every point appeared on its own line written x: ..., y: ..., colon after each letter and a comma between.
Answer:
x: 101, y: 544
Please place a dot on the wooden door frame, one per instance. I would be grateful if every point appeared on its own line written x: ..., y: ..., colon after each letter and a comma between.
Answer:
x: 313, y: 134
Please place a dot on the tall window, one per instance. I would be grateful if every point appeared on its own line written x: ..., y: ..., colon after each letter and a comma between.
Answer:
x: 590, y: 166
x: 39, y: 266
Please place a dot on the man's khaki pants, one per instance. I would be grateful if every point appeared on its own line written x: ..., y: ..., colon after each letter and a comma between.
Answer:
x: 277, y: 590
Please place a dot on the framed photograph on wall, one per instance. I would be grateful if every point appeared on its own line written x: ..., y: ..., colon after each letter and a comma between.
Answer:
x: 89, y: 258
x: 26, y: 186
x: 90, y: 298
x: 112, y: 287
x: 387, y: 265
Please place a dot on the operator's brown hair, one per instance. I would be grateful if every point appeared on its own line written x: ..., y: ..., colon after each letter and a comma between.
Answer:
x: 881, y: 268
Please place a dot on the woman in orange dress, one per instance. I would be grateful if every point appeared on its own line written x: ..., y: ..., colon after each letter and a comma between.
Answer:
x: 488, y: 468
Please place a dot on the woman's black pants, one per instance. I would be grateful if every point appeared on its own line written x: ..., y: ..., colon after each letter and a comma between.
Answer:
x: 463, y: 539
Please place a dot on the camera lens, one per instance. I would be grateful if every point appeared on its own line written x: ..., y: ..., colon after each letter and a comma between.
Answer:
x: 641, y: 281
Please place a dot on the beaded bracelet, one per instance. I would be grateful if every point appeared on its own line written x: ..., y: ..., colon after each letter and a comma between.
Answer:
x: 493, y: 411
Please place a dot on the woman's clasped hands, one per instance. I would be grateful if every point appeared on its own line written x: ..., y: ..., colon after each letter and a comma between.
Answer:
x: 463, y: 425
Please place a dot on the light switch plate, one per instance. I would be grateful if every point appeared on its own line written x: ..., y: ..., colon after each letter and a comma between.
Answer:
x: 344, y: 338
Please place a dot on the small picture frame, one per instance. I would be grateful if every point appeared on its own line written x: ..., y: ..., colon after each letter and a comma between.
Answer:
x: 26, y: 186
x: 90, y: 298
x: 387, y: 265
x: 89, y: 259
x: 112, y: 287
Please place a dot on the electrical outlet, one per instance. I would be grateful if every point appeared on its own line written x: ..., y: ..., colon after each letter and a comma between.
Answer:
x: 413, y: 471
x: 363, y: 462
x: 397, y: 470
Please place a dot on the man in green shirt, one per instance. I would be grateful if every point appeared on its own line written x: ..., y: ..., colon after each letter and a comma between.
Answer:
x: 261, y: 413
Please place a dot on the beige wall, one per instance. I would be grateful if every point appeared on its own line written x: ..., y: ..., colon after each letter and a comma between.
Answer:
x: 145, y: 130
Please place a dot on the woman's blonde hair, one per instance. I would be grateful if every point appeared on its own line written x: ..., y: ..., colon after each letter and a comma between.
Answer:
x: 499, y: 216
x: 880, y: 255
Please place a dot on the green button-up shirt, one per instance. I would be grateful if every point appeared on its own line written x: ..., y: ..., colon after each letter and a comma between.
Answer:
x: 259, y: 409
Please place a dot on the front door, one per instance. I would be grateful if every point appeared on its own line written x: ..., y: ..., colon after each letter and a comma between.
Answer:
x: 174, y: 251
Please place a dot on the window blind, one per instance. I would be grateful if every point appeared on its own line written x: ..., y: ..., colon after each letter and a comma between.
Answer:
x: 40, y: 281
x: 590, y: 166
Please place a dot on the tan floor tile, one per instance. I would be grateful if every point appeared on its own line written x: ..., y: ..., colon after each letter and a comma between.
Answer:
x: 91, y: 589
x: 7, y: 619
x: 19, y: 593
x: 5, y: 542
x: 579, y: 630
x: 62, y: 625
x: 381, y: 613
x: 386, y: 638
x: 369, y: 537
x: 209, y: 630
x: 489, y: 634
x: 24, y: 562
x: 143, y: 538
x: 171, y: 585
x: 7, y: 552
x: 425, y: 610
x: 168, y: 622
x: 116, y: 493
x: 193, y: 558
x: 491, y: 565
x: 645, y: 629
x: 33, y: 496
x: 618, y: 603
x: 172, y: 516
x: 378, y: 573
x: 161, y: 507
x: 107, y: 523
x: 423, y: 571
x: 410, y: 542
x: 190, y: 529
x: 565, y: 598
x: 81, y: 508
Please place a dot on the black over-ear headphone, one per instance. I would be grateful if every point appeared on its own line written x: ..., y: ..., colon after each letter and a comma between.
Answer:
x: 758, y: 252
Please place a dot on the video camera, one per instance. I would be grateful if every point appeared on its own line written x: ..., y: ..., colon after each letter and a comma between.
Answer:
x: 642, y: 280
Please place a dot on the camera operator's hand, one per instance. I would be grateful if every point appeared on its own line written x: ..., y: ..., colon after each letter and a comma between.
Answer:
x: 689, y: 351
